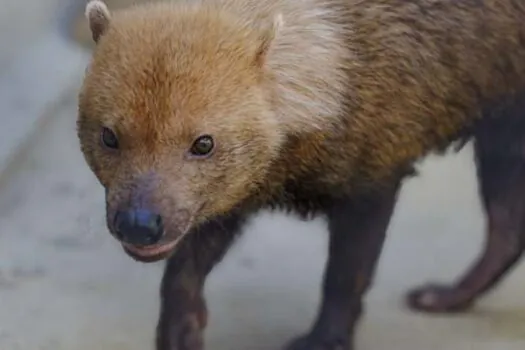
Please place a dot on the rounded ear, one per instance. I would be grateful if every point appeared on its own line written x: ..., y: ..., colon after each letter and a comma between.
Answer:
x: 98, y: 16
x: 268, y: 35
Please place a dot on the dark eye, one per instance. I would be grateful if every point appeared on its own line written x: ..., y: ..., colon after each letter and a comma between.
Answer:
x: 202, y: 146
x: 109, y: 139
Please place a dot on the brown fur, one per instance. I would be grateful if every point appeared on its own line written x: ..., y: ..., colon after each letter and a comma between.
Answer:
x: 394, y: 116
x: 310, y: 102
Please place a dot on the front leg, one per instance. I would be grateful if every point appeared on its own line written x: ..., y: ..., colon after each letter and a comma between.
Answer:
x: 357, y: 230
x: 183, y: 312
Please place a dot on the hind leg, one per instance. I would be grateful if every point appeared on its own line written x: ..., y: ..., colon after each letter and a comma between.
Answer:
x: 500, y: 153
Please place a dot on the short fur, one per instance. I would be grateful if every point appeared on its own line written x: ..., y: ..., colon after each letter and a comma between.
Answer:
x: 98, y: 17
x: 317, y: 107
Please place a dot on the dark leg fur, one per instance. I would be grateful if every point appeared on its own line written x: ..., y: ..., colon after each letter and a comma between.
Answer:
x: 357, y: 231
x: 183, y: 313
x: 500, y: 152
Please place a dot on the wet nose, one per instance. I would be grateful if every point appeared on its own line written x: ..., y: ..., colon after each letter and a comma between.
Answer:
x: 138, y: 227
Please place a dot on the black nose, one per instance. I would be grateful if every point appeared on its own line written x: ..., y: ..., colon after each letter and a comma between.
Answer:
x: 138, y: 227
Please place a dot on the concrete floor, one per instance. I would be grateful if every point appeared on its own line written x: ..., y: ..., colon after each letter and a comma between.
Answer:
x: 66, y: 284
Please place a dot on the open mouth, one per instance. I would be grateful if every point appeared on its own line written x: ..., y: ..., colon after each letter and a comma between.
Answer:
x: 156, y: 252
x: 150, y: 253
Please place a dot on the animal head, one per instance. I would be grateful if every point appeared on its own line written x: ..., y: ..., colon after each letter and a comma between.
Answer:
x: 175, y: 119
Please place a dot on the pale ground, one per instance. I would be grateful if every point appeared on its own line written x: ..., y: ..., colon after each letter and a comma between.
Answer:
x: 66, y: 284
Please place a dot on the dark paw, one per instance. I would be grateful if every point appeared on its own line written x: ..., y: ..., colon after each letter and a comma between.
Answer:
x: 310, y: 342
x: 437, y: 299
x: 186, y: 334
x: 190, y: 337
